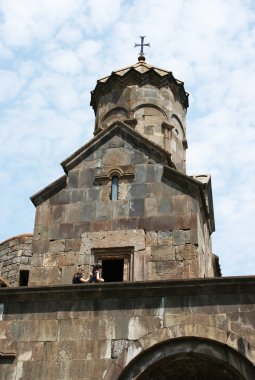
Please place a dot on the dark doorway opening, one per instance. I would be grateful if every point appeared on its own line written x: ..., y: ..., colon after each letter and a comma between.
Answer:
x: 112, y: 270
x: 23, y: 277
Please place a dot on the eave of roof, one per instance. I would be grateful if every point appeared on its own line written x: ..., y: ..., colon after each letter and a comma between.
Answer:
x: 143, y: 73
x: 80, y: 154
x: 46, y: 192
x: 122, y: 128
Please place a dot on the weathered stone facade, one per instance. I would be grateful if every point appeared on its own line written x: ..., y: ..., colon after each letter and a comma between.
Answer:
x: 125, y: 331
x: 126, y: 202
x: 15, y: 258
x: 170, y: 208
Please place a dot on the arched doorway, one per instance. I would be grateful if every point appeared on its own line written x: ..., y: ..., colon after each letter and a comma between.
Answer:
x: 189, y: 359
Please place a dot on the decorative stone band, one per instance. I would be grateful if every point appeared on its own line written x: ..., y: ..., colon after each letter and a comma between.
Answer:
x: 123, y: 172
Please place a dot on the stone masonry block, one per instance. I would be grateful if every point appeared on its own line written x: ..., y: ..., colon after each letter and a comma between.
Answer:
x: 67, y: 274
x: 136, y: 207
x: 120, y: 209
x: 167, y: 270
x: 56, y: 246
x: 138, y: 157
x: 44, y: 276
x: 125, y: 223
x: 60, y: 259
x: 118, y: 346
x: 71, y: 213
x: 92, y: 194
x: 76, y: 329
x: 66, y: 230
x: 72, y: 244
x: 151, y: 206
x: 121, y: 156
x: 164, y: 205
x: 73, y: 176
x: 165, y: 237
x: 52, y: 231
x: 137, y: 191
x: 88, y: 212
x: 163, y: 223
x: 56, y: 213
x: 162, y: 253
x: 77, y: 195
x: 104, y: 210
x: 33, y: 330
x: 186, y: 252
x: 62, y: 197
x: 110, y: 239
x: 151, y: 238
x: 71, y: 350
x: 43, y: 214
x: 179, y: 203
x: 139, y: 326
x: 140, y: 175
x: 86, y: 178
x: 181, y: 237
x: 100, y: 225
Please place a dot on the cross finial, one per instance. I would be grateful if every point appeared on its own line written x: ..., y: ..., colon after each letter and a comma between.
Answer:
x: 142, y: 44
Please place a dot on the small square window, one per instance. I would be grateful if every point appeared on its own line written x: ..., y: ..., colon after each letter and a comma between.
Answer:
x: 23, y: 277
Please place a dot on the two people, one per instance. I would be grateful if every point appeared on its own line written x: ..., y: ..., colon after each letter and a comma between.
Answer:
x: 94, y: 276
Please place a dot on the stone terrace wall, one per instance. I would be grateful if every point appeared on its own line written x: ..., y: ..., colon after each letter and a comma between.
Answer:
x: 91, y: 332
x: 15, y: 255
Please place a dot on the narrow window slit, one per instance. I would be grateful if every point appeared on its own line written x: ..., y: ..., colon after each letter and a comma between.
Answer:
x: 115, y: 188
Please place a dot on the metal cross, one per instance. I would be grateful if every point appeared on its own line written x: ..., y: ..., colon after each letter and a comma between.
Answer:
x: 142, y: 45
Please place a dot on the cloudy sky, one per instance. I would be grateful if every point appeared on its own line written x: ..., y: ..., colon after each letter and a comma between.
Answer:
x: 53, y: 51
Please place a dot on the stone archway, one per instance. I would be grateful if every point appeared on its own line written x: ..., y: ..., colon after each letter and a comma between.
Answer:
x: 189, y: 358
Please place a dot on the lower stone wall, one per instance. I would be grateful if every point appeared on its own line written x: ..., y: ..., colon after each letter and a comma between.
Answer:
x: 15, y: 255
x: 92, y: 332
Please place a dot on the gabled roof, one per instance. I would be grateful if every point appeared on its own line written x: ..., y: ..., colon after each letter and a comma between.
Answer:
x: 142, y: 73
x: 49, y: 190
x: 202, y: 183
x: 121, y: 129
x: 116, y: 128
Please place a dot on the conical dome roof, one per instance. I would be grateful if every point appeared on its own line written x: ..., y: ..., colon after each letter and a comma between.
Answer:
x: 140, y: 73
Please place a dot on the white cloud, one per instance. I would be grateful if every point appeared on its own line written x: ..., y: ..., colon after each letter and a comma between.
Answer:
x: 25, y: 21
x: 63, y: 61
x: 70, y: 35
x: 10, y: 85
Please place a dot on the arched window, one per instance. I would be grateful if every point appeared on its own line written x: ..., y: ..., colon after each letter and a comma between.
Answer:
x: 115, y: 188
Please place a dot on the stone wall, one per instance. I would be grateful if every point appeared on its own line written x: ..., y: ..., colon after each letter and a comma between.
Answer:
x: 92, y: 332
x: 166, y: 210
x: 15, y: 255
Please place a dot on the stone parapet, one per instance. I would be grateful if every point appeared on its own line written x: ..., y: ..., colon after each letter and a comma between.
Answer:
x: 15, y: 255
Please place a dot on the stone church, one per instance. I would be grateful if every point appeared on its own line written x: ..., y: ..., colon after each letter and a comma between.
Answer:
x: 126, y: 202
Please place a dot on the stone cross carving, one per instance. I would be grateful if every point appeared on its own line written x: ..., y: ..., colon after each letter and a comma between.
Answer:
x: 142, y: 45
